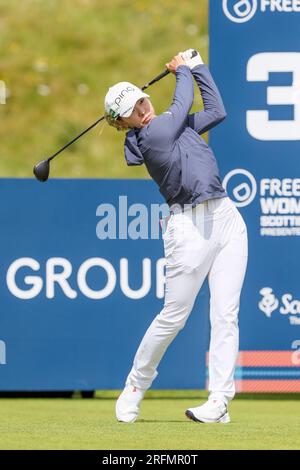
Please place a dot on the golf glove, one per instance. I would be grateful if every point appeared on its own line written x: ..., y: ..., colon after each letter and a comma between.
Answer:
x: 192, y: 58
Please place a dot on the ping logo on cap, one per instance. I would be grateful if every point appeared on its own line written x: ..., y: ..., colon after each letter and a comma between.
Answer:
x: 121, y: 99
x: 122, y: 94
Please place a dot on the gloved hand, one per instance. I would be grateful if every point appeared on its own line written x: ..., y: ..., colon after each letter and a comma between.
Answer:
x: 192, y: 58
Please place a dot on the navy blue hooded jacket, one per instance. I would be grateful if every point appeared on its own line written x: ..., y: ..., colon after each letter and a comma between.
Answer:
x: 177, y: 158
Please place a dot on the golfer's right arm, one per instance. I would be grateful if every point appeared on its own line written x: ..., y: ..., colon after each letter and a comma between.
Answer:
x: 168, y: 127
x: 182, y: 100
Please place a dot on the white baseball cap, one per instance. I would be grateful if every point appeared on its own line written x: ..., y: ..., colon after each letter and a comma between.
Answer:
x: 121, y: 98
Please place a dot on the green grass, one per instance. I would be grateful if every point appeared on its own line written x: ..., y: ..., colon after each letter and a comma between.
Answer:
x: 264, y: 422
x: 65, y: 44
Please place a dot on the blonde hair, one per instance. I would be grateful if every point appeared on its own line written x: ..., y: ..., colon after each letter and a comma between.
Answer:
x: 116, y: 123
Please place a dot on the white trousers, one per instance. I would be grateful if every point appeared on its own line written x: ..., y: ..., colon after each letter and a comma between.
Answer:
x: 208, y: 240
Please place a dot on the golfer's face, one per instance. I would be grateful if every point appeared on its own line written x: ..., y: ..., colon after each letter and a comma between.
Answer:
x: 141, y: 115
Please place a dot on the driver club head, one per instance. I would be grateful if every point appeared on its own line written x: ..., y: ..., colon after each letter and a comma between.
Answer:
x: 41, y: 170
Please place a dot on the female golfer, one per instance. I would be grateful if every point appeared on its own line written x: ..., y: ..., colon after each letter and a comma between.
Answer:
x: 205, y: 234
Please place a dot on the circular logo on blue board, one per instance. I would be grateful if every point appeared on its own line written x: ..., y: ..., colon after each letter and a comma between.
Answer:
x: 240, y: 11
x: 240, y: 186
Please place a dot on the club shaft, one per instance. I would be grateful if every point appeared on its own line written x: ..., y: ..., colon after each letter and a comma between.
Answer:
x: 159, y: 77
x: 76, y: 138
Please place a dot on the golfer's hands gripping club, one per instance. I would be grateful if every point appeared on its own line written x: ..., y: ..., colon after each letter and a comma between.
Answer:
x: 175, y: 62
x: 192, y: 58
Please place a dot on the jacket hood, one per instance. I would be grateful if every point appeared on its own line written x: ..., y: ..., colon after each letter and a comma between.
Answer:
x: 133, y: 155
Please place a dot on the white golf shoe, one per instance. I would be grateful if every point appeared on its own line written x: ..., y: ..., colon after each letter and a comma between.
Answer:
x: 128, y: 404
x: 213, y: 411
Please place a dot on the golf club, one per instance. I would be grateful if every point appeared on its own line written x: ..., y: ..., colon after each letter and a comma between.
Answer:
x: 41, y: 170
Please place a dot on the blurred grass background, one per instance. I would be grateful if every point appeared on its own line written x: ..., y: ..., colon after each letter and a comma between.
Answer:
x: 58, y: 58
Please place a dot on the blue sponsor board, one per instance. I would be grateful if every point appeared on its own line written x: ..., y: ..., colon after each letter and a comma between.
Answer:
x: 255, y: 60
x: 75, y: 303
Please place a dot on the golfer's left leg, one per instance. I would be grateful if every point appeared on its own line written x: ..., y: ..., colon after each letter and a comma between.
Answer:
x: 226, y: 278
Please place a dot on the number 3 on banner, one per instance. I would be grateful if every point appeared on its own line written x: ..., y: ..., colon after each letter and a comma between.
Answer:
x: 259, y: 125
